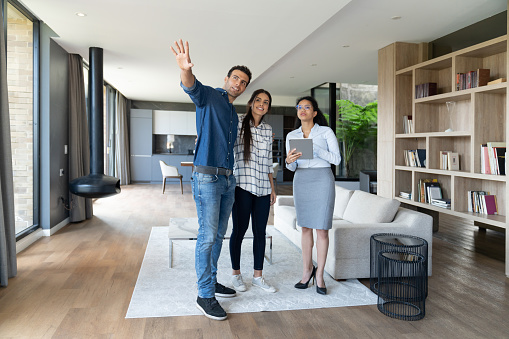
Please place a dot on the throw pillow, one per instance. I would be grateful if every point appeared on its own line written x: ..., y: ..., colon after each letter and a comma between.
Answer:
x: 366, y: 208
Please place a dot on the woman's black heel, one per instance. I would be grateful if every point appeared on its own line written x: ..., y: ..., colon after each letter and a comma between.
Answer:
x: 321, y: 290
x: 303, y: 286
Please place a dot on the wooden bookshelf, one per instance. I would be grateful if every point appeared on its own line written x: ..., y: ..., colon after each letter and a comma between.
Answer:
x: 479, y: 116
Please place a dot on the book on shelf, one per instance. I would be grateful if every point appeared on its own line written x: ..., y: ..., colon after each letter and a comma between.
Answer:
x: 407, y: 124
x: 472, y: 79
x: 500, y: 156
x: 453, y: 162
x: 497, y: 81
x: 485, y: 159
x: 422, y: 189
x: 415, y: 158
x: 443, y: 203
x: 475, y: 201
x: 421, y: 157
x: 490, y: 204
x: 443, y: 159
x: 426, y: 90
x: 496, y: 155
x: 449, y: 161
x: 482, y: 77
x: 434, y: 192
x: 432, y: 188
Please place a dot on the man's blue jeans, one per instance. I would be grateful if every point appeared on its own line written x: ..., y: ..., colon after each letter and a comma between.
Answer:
x: 214, y: 196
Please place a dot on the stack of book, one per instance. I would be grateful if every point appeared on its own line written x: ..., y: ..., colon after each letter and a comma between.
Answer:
x: 405, y: 195
x: 415, y: 158
x: 426, y: 90
x: 442, y: 203
x: 493, y: 158
x: 482, y: 202
x: 449, y: 161
x: 472, y: 79
x: 407, y: 124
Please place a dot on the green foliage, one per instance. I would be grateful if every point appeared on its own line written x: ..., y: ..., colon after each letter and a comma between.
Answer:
x: 356, y: 127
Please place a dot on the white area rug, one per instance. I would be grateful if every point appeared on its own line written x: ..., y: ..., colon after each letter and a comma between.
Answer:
x: 161, y: 291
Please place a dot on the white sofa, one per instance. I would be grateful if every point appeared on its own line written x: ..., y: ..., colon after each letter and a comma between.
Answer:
x: 357, y: 216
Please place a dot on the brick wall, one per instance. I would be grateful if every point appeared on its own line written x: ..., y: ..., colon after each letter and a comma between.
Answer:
x: 20, y: 83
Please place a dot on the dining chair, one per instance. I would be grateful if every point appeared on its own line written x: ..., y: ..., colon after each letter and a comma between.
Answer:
x: 170, y: 172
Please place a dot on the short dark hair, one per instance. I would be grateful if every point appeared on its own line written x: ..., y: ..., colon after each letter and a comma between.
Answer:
x: 319, y: 118
x: 242, y: 69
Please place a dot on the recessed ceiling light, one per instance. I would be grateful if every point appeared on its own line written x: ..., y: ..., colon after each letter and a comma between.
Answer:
x: 81, y: 14
x: 396, y: 17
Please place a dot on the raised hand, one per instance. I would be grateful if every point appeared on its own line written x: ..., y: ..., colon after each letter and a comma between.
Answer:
x: 181, y: 52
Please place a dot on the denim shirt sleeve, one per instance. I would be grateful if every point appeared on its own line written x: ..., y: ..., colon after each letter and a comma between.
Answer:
x: 196, y: 92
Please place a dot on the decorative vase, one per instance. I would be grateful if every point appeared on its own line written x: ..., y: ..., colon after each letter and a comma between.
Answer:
x: 451, y: 108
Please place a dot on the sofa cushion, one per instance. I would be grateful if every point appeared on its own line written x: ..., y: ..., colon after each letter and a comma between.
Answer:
x: 287, y: 213
x: 343, y: 195
x: 369, y: 208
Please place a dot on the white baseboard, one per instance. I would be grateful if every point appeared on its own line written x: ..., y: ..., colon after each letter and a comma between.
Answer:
x: 28, y: 240
x: 57, y: 228
x: 34, y: 236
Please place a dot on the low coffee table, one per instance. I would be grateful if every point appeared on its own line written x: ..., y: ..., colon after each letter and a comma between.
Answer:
x: 187, y: 229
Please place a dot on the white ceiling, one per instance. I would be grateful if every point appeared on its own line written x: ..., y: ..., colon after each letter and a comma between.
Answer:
x: 289, y: 45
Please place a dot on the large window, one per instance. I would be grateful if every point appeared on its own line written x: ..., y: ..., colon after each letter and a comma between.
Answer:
x: 20, y: 80
x: 358, y: 144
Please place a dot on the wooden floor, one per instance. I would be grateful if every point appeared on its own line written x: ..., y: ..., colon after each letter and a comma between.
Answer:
x: 78, y: 284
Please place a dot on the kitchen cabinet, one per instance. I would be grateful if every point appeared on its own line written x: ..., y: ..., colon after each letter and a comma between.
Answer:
x: 174, y: 122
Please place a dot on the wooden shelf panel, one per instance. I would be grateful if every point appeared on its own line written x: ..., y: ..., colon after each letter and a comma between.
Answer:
x: 433, y: 134
x: 460, y: 174
x: 462, y: 95
x: 485, y: 49
x: 495, y: 220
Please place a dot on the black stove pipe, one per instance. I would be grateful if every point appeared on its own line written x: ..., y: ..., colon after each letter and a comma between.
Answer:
x: 96, y: 184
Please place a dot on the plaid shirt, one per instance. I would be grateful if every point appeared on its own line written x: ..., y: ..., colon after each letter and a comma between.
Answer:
x: 253, y: 176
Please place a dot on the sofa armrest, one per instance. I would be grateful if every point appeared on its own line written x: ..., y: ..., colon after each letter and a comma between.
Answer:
x: 284, y: 200
x: 351, y: 240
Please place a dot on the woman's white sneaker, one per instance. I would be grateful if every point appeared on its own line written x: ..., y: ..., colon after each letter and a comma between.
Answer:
x: 238, y: 284
x: 260, y: 282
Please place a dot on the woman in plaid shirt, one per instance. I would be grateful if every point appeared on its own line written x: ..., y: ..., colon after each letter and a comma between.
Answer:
x: 254, y: 193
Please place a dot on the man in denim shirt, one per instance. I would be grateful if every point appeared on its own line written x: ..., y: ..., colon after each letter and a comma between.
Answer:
x: 212, y: 181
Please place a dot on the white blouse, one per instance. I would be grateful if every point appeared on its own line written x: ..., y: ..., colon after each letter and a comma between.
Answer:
x: 325, y: 148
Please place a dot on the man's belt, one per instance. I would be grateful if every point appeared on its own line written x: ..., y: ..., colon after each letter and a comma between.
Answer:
x: 213, y: 170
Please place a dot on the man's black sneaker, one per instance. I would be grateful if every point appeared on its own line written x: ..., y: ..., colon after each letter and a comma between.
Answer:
x: 211, y: 308
x: 225, y: 292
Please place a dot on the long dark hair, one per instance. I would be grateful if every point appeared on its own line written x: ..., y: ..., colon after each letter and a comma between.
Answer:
x: 245, y: 130
x: 318, y: 119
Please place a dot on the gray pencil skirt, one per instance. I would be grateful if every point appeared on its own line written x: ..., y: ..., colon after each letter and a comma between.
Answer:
x: 314, y: 194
